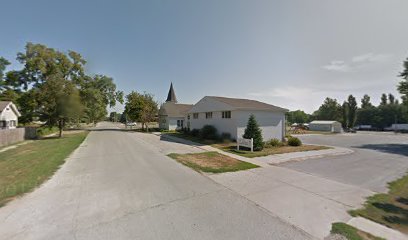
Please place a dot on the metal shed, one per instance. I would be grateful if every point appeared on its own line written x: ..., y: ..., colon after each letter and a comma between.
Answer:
x: 325, y: 126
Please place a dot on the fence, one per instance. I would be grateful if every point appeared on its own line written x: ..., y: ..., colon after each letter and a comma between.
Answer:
x: 10, y: 136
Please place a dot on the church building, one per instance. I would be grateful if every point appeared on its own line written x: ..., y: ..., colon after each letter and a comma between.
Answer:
x: 172, y: 115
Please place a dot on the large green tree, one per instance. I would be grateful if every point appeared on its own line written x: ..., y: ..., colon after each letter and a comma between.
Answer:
x: 384, y: 99
x: 3, y: 65
x: 403, y: 85
x: 297, y: 116
x: 53, y: 87
x: 368, y: 114
x: 329, y: 110
x: 52, y: 78
x: 60, y: 102
x: 141, y: 108
x: 366, y: 101
x: 97, y: 93
x: 345, y: 113
x: 352, y: 111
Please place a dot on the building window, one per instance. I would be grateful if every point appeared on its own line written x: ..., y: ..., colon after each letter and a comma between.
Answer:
x: 208, y: 115
x: 180, y: 123
x: 226, y: 114
x: 188, y: 116
x: 195, y: 115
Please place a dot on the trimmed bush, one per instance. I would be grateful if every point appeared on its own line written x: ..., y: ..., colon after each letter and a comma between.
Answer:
x: 294, y: 142
x: 195, y: 132
x: 208, y: 132
x: 274, y: 142
x: 253, y: 131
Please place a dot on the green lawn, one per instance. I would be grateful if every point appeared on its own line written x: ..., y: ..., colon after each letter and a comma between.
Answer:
x: 27, y: 166
x: 390, y: 209
x: 352, y: 233
x: 212, y: 162
x: 45, y: 130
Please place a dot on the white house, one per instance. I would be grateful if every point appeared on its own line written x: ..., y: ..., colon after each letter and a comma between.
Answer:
x: 172, y: 115
x: 325, y: 126
x: 8, y: 115
x: 230, y: 115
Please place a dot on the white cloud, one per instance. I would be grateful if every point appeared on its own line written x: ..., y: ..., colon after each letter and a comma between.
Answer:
x: 338, y: 66
x: 371, y: 58
x: 357, y: 62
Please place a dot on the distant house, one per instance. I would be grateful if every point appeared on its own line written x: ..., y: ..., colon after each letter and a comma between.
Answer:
x: 325, y: 126
x: 230, y: 115
x: 172, y: 115
x: 8, y: 115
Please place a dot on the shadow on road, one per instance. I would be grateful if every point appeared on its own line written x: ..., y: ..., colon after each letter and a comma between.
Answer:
x: 401, y: 149
x: 177, y: 140
x: 111, y: 129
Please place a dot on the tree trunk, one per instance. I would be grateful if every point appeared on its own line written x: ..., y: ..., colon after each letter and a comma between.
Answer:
x: 60, y: 126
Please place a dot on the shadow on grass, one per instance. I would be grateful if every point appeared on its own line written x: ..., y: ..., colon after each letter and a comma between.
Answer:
x: 401, y: 149
x: 399, y: 215
x: 402, y: 200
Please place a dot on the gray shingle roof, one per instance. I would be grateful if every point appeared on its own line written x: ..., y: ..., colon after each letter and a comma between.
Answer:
x: 240, y: 103
x: 172, y: 109
x: 3, y: 105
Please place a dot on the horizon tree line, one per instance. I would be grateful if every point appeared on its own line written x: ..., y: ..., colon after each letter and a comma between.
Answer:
x: 388, y: 111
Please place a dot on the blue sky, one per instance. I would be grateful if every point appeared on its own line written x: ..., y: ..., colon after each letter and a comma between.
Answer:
x: 288, y: 53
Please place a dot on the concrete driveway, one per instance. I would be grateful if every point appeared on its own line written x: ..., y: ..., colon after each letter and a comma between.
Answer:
x: 378, y: 158
x: 120, y: 185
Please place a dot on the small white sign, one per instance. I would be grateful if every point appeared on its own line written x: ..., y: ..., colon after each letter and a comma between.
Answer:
x: 249, y: 143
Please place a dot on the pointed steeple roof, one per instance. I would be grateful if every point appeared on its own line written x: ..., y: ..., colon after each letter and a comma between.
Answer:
x: 171, y: 96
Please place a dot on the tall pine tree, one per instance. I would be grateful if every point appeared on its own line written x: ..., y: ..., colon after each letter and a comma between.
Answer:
x: 253, y: 131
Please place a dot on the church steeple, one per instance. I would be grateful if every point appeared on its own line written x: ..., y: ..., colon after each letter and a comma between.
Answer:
x: 171, y: 96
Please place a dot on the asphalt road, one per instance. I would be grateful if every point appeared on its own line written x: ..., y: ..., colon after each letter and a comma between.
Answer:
x: 379, y: 158
x: 120, y: 185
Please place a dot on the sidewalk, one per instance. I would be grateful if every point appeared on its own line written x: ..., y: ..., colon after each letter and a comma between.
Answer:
x: 376, y: 229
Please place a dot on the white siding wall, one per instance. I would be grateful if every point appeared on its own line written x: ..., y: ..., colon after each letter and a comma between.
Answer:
x: 329, y: 127
x: 271, y: 123
x: 223, y: 125
x: 172, y: 123
x: 9, y: 115
x: 320, y: 127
